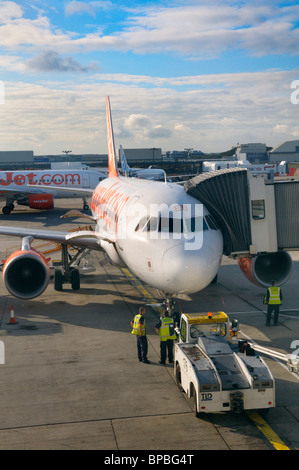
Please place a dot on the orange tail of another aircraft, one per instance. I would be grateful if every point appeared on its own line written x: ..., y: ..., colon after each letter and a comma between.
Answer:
x: 112, y: 165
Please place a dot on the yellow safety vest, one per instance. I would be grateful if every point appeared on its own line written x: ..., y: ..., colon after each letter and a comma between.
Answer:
x: 136, y: 323
x: 274, y: 298
x: 164, y: 332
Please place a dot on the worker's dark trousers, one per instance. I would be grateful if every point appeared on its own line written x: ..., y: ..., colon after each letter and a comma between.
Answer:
x: 166, y: 347
x: 142, y: 348
x: 271, y: 308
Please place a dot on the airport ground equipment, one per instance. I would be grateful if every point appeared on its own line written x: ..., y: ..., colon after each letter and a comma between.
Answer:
x: 291, y: 360
x: 293, y: 363
x: 220, y: 372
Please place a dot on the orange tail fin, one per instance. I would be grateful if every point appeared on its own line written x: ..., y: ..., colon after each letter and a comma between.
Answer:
x: 112, y: 165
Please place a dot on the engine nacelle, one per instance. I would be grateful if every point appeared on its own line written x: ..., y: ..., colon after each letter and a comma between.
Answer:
x: 38, y: 201
x: 26, y: 273
x: 264, y: 268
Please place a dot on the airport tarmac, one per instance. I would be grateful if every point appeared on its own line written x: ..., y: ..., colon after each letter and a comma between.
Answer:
x: 71, y: 378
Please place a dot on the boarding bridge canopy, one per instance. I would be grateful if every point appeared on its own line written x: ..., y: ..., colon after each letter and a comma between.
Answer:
x: 225, y: 193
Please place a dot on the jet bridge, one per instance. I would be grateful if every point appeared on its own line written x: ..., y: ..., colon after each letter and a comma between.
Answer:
x: 259, y: 220
x: 225, y: 193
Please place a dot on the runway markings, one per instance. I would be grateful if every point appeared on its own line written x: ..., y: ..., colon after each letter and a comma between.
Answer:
x: 141, y: 289
x: 267, y: 431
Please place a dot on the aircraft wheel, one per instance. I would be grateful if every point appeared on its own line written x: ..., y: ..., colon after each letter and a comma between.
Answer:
x: 58, y: 280
x: 75, y: 279
x: 6, y: 210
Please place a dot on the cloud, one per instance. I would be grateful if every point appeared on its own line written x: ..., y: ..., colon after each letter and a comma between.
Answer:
x: 51, y: 61
x: 143, y: 126
x: 9, y: 10
x: 196, y: 31
x: 90, y: 8
x: 202, y: 30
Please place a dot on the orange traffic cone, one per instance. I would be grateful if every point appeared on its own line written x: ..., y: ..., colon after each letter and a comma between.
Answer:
x: 12, y: 320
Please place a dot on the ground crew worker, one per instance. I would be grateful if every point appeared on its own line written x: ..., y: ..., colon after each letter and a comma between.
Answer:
x: 165, y: 329
x: 273, y: 299
x: 138, y: 325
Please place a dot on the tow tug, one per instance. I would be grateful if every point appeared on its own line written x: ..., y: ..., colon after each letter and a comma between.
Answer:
x: 220, y: 372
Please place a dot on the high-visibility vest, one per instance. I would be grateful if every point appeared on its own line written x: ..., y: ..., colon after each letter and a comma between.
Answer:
x: 164, y: 332
x: 274, y: 298
x: 136, y: 324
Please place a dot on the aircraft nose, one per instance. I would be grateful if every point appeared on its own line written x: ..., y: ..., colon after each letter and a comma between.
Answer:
x: 187, y: 271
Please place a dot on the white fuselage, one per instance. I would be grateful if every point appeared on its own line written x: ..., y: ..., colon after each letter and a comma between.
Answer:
x: 150, y: 228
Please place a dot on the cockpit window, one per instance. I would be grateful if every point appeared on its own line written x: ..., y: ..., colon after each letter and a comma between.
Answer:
x: 141, y: 224
x: 173, y: 224
x: 151, y: 225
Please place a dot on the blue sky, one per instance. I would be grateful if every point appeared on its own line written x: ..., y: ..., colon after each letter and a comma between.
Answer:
x: 180, y: 73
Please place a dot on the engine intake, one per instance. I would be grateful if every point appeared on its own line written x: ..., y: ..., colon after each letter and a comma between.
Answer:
x: 264, y: 268
x: 26, y: 273
x: 37, y: 201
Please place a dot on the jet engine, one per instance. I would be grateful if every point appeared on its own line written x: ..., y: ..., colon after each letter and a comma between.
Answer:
x: 26, y: 273
x: 38, y: 201
x: 267, y: 267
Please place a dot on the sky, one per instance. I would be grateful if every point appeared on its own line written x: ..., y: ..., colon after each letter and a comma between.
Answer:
x: 180, y: 74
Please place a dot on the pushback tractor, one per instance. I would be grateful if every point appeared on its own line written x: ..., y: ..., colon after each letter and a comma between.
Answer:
x: 218, y: 371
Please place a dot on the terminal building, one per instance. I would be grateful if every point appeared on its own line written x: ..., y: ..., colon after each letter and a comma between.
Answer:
x: 287, y: 151
x: 16, y: 159
x: 253, y: 153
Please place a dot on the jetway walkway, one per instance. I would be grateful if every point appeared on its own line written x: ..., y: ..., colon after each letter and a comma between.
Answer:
x: 225, y: 193
x: 255, y: 215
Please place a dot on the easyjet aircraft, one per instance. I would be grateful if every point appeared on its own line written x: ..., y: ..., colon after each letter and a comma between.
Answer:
x: 163, y: 235
x: 38, y: 189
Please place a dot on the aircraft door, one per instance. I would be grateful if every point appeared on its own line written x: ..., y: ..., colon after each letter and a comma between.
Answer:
x: 85, y: 179
x: 124, y: 221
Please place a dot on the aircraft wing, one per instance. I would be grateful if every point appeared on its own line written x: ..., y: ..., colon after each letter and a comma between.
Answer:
x: 87, y: 239
x: 34, y: 189
x: 84, y: 191
x: 18, y: 192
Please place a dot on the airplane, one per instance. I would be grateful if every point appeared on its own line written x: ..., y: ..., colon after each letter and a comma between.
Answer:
x: 150, y: 173
x: 39, y: 188
x: 164, y: 236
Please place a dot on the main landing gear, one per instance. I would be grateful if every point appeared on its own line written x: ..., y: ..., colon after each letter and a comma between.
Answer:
x: 85, y: 205
x: 68, y: 272
x: 8, y: 208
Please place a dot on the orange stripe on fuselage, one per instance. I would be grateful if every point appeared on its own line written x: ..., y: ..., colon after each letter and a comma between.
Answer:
x: 108, y: 202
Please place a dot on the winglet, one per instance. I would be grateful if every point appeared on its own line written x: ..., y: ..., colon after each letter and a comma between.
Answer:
x: 124, y: 164
x: 112, y: 165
